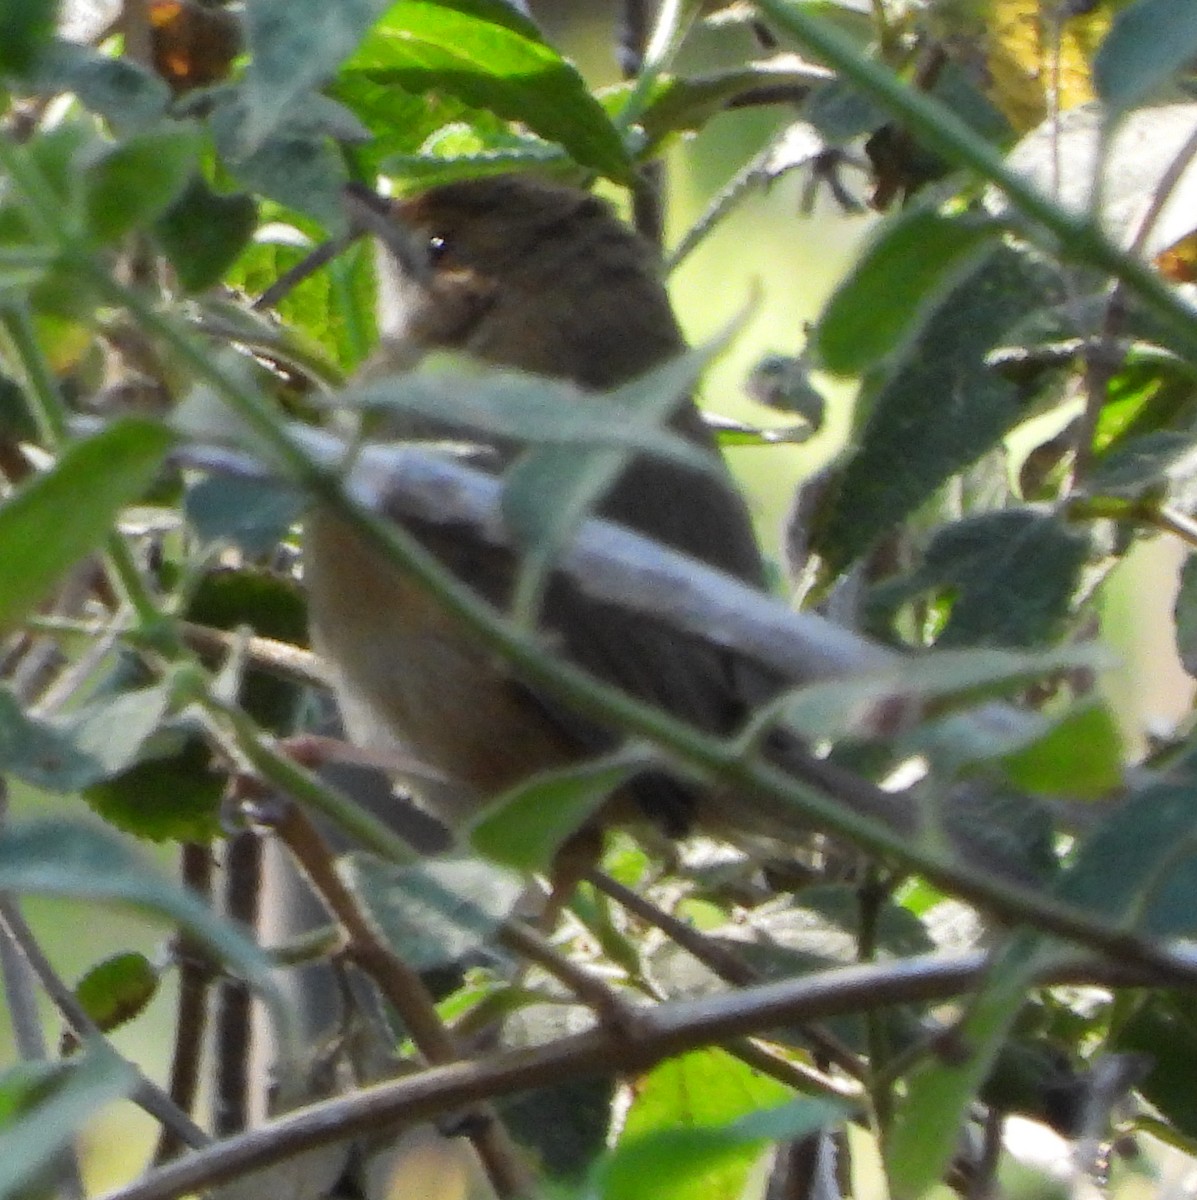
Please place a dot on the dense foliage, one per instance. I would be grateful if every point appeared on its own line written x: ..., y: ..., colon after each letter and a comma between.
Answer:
x: 996, y: 915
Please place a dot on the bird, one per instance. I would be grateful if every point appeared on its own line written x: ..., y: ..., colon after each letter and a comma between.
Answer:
x: 521, y: 273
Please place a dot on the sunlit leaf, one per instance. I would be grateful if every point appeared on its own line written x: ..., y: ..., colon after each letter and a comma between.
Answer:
x: 887, y: 294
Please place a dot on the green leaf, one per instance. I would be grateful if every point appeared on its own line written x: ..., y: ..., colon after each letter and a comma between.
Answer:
x: 58, y: 858
x: 494, y: 61
x: 170, y: 793
x: 1163, y: 1027
x: 1011, y: 576
x: 530, y: 408
x: 1079, y: 757
x: 298, y: 164
x: 25, y: 27
x: 931, y: 1113
x: 1148, y: 42
x: 937, y: 410
x: 127, y: 95
x: 118, y: 989
x: 891, y: 289
x: 696, y: 1094
x: 38, y: 752
x: 334, y: 307
x: 32, y: 1141
x: 203, y: 233
x: 684, y: 1164
x: 461, y: 151
x: 851, y: 706
x: 1152, y: 392
x: 526, y: 826
x: 1138, y: 869
x: 111, y: 470
x: 131, y: 183
x: 436, y: 912
x: 295, y: 45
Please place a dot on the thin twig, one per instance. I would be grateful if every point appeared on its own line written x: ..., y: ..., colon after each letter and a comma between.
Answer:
x: 670, y: 1029
x: 231, y: 1103
x: 400, y: 984
x: 717, y: 958
x: 191, y: 1011
x: 607, y: 1004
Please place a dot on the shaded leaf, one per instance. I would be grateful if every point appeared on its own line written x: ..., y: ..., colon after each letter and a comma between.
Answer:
x: 171, y: 793
x: 111, y: 469
x: 565, y: 1125
x: 934, y: 412
x: 254, y: 514
x: 298, y: 164
x: 25, y: 27
x: 123, y: 92
x: 294, y: 46
x: 436, y: 913
x: 31, y: 1141
x: 525, y: 827
x: 1148, y: 42
x: 203, y: 233
x: 136, y: 180
x: 1151, y: 465
x: 58, y: 858
x: 1138, y: 869
x: 1011, y: 576
x: 1163, y: 1026
x: 40, y: 753
x: 271, y: 605
x: 817, y: 930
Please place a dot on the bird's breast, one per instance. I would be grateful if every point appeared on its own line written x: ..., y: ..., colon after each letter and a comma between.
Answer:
x: 408, y: 676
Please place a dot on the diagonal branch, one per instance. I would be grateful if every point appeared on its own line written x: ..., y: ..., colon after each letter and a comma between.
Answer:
x: 665, y: 1031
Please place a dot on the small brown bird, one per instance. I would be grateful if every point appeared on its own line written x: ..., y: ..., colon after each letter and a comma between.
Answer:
x: 527, y: 274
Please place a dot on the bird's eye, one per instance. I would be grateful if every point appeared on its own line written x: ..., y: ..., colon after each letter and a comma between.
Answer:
x: 438, y: 247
